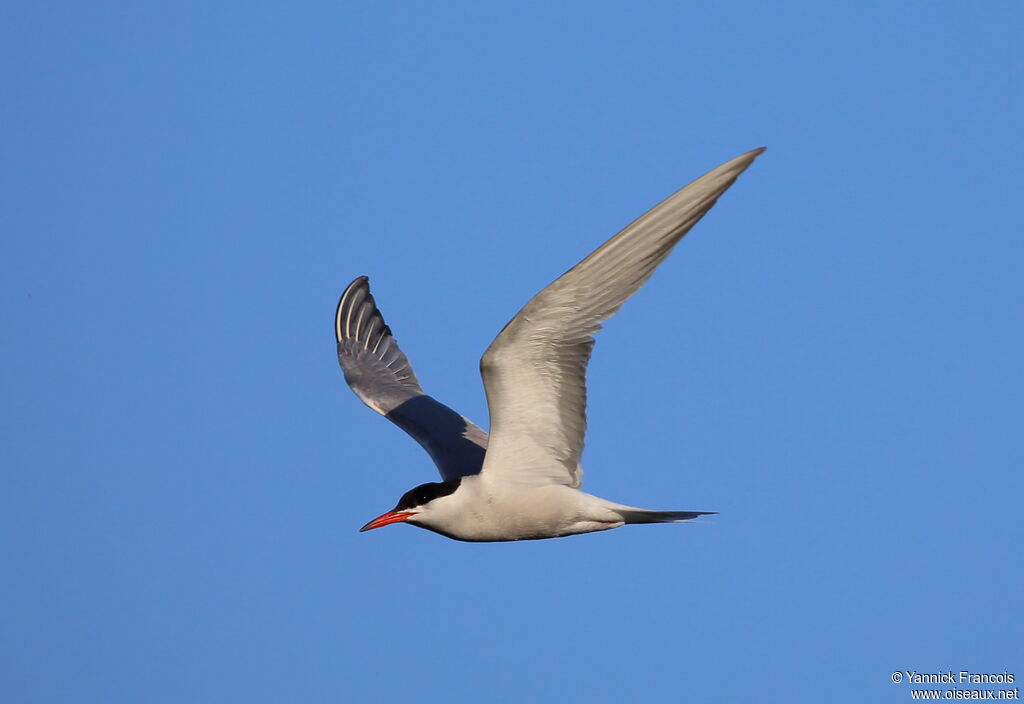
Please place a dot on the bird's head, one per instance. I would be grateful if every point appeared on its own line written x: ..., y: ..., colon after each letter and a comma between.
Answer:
x: 417, y: 506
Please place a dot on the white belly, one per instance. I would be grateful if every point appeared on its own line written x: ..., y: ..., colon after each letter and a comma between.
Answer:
x: 515, y: 512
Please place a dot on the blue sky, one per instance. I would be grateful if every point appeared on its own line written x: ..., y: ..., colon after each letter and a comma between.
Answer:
x: 831, y: 359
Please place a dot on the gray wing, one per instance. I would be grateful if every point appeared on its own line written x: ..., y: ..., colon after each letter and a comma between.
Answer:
x: 535, y: 370
x: 381, y: 376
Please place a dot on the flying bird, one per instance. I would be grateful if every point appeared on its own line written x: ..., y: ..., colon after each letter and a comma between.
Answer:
x: 521, y: 482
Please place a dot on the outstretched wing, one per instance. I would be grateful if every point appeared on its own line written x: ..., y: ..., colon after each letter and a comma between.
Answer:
x: 535, y: 370
x: 380, y: 375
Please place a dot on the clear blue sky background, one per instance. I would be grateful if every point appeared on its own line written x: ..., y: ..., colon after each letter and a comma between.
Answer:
x: 831, y: 359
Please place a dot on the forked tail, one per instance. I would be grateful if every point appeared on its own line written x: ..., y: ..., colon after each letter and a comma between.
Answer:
x: 640, y: 515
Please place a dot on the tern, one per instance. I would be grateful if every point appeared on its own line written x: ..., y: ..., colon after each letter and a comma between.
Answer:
x: 521, y: 482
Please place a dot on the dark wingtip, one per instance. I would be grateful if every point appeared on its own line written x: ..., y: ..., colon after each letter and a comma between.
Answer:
x: 358, y: 282
x: 751, y: 155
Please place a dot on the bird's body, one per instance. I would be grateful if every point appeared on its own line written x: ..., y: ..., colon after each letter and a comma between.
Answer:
x: 522, y: 481
x: 480, y: 510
